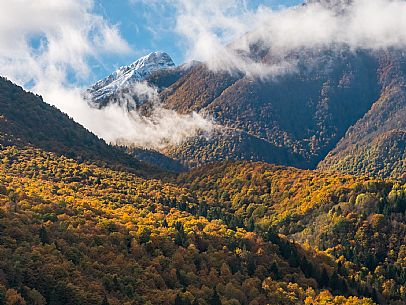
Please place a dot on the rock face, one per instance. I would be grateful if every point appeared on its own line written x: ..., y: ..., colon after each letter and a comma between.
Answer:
x: 122, y: 79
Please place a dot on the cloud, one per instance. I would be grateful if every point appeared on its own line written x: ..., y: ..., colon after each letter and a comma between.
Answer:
x: 220, y: 32
x: 161, y: 128
x: 117, y: 125
x: 47, y: 45
x: 45, y: 39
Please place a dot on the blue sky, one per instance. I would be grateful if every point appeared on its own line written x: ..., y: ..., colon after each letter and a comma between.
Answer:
x: 147, y: 30
x: 59, y: 48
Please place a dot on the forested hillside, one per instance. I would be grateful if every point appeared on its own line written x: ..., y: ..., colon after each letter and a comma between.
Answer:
x: 26, y: 120
x: 342, y: 109
x: 79, y: 234
x: 298, y: 117
x: 360, y: 222
x: 76, y: 230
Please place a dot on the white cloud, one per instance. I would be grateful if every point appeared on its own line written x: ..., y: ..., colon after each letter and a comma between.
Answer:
x: 45, y: 39
x: 46, y: 45
x: 119, y: 126
x: 162, y: 127
x: 218, y: 30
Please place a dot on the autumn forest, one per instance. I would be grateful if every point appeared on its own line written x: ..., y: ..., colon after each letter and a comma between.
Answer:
x: 78, y: 228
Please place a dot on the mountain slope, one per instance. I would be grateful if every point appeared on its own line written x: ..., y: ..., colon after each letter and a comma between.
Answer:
x: 338, y: 109
x: 80, y: 234
x: 303, y: 113
x: 25, y: 120
x: 375, y: 145
x: 343, y: 106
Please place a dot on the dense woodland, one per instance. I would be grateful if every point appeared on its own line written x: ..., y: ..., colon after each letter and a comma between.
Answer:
x: 75, y: 233
x: 361, y: 222
x: 78, y: 229
x: 341, y: 110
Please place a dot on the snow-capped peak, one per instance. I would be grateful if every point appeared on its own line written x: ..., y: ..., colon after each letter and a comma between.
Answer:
x: 138, y: 71
x: 152, y: 62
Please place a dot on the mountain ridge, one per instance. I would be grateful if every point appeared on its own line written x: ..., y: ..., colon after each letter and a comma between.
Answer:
x: 303, y: 117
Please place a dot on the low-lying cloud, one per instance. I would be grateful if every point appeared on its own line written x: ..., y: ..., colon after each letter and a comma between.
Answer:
x: 220, y: 32
x: 160, y: 128
x: 46, y: 46
x: 117, y: 125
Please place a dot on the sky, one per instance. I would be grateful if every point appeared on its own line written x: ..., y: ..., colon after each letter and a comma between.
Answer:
x: 58, y: 48
x: 149, y: 26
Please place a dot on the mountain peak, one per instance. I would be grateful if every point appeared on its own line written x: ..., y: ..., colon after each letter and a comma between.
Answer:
x: 123, y: 77
x: 154, y: 60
